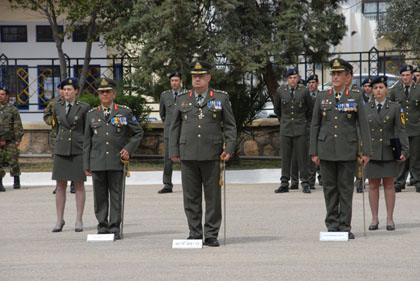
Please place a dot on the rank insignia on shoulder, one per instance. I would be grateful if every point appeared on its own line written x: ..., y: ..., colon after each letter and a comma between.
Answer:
x: 134, y: 119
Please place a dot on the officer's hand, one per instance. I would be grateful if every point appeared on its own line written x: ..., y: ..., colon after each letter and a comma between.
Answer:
x: 315, y: 159
x: 176, y: 159
x: 225, y: 156
x: 402, y: 158
x: 17, y: 143
x: 124, y: 154
x: 88, y: 173
x: 2, y: 143
x: 364, y: 160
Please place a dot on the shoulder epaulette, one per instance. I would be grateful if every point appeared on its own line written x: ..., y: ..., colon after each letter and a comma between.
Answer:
x: 123, y: 106
x: 93, y: 109
x: 355, y: 90
x: 220, y: 92
x: 183, y: 93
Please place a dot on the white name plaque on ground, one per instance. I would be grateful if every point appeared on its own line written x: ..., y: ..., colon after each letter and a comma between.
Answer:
x: 100, y: 237
x: 187, y: 244
x: 333, y: 236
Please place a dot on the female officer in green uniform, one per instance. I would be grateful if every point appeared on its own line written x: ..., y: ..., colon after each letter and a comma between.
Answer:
x: 386, y: 121
x: 70, y: 116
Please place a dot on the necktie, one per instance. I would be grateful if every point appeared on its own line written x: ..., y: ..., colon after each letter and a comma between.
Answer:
x: 292, y: 92
x: 106, y: 112
x: 175, y: 95
x: 337, y: 96
x: 199, y: 99
x: 406, y: 90
x: 68, y: 110
x: 379, y: 107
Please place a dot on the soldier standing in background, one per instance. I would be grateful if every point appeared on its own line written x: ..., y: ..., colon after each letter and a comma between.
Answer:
x: 50, y: 119
x: 416, y: 73
x: 334, y: 144
x: 407, y: 94
x: 196, y: 140
x: 367, y: 90
x: 166, y: 109
x: 11, y: 133
x: 293, y: 106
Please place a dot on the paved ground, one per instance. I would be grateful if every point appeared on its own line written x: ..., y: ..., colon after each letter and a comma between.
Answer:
x: 270, y: 237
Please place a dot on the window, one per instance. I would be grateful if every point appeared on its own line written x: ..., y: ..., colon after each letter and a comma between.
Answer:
x: 14, y: 33
x: 375, y: 9
x: 48, y: 79
x: 93, y: 74
x: 80, y: 34
x: 44, y: 33
x: 15, y: 79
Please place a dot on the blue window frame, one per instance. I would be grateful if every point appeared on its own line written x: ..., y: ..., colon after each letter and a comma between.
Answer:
x: 14, y: 33
x: 15, y: 79
x: 44, y: 33
x: 80, y: 34
x: 48, y: 79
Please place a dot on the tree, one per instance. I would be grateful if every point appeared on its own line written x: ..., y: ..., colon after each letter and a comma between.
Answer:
x: 400, y: 24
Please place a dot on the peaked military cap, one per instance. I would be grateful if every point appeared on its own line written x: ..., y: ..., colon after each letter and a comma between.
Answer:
x: 407, y: 67
x: 292, y: 71
x: 379, y: 79
x: 312, y: 77
x: 72, y: 81
x: 200, y: 67
x: 367, y: 81
x: 416, y: 69
x: 176, y: 74
x: 339, y: 64
x: 105, y: 84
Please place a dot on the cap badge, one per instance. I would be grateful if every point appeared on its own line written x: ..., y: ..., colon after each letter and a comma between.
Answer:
x: 336, y: 63
x: 198, y: 66
x: 104, y: 82
x: 70, y: 81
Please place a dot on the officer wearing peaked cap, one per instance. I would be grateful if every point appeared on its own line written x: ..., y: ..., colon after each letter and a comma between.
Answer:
x: 166, y: 109
x: 202, y: 121
x: 293, y: 107
x: 407, y: 94
x: 105, y: 144
x: 334, y: 144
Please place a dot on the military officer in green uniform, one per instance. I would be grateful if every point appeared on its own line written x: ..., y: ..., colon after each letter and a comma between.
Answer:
x: 407, y: 94
x: 293, y: 106
x: 367, y: 90
x: 50, y: 119
x: 334, y: 144
x: 105, y: 144
x: 11, y: 133
x: 166, y: 109
x: 416, y: 73
x: 202, y: 121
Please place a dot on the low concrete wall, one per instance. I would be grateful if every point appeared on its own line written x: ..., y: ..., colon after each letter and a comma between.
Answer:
x: 261, y: 139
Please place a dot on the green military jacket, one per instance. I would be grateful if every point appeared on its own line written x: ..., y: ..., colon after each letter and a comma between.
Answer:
x: 294, y: 114
x: 166, y: 109
x: 11, y: 128
x: 49, y: 118
x: 104, y: 139
x: 198, y: 132
x: 70, y: 129
x: 334, y: 127
x: 386, y: 124
x: 410, y: 105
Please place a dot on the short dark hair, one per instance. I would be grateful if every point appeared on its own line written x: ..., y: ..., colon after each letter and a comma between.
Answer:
x: 6, y: 90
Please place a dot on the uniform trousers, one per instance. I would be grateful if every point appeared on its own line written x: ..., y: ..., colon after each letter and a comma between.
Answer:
x: 10, y: 151
x: 196, y: 177
x: 412, y: 164
x: 337, y: 180
x: 312, y: 169
x: 107, y: 194
x: 167, y: 170
x: 296, y: 146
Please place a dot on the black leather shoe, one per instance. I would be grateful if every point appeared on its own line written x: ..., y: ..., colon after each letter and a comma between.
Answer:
x: 16, y: 183
x: 2, y: 189
x: 55, y: 190
x: 103, y: 232
x: 211, y: 242
x: 195, y: 238
x: 294, y: 186
x: 72, y: 189
x: 78, y: 229
x: 166, y: 189
x: 306, y: 189
x: 282, y: 189
x: 59, y: 229
x: 351, y: 235
x: 117, y: 236
x: 374, y: 226
x: 397, y: 189
x: 417, y: 189
x: 390, y: 227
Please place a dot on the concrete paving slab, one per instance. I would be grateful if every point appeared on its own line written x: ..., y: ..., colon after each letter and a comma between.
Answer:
x: 269, y: 237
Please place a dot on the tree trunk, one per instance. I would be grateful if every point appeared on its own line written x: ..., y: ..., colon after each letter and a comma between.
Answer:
x: 270, y: 80
x: 90, y: 37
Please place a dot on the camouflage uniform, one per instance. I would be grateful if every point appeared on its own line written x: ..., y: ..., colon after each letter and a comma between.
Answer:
x: 49, y: 119
x: 11, y: 131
